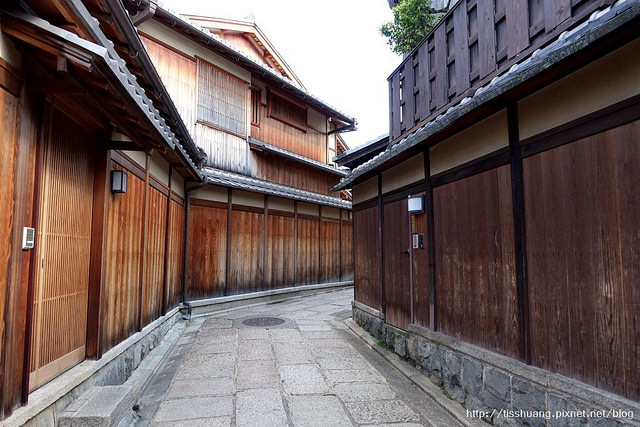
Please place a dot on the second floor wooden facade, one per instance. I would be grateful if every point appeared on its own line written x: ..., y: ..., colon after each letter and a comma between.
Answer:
x: 228, y: 101
x: 474, y: 42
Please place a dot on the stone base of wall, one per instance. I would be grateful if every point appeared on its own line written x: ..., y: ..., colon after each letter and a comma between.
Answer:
x: 114, y: 368
x: 495, y: 388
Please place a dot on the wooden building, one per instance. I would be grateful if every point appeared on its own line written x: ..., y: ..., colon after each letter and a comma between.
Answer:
x: 265, y: 218
x: 515, y: 131
x: 87, y: 267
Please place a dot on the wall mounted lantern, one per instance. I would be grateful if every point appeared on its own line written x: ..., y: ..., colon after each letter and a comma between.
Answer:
x: 416, y: 204
x: 118, y: 181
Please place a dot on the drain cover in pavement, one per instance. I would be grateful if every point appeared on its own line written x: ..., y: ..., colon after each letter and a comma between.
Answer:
x: 263, y: 321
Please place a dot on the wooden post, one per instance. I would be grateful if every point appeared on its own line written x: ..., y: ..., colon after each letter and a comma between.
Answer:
x: 340, y: 247
x: 167, y: 241
x: 227, y: 272
x: 431, y: 242
x: 517, y: 189
x: 319, y: 280
x: 383, y: 304
x: 295, y: 242
x: 99, y: 229
x: 265, y: 237
x: 143, y: 239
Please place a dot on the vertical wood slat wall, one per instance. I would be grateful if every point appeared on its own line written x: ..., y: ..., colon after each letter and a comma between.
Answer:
x: 582, y: 216
x: 295, y: 248
x: 123, y: 313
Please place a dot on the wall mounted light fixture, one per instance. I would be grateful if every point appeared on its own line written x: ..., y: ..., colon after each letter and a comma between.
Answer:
x: 118, y: 181
x: 416, y: 204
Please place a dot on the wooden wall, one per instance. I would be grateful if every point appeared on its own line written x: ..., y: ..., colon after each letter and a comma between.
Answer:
x: 145, y: 250
x: 269, y: 248
x: 311, y: 144
x: 583, y: 234
x: 207, y: 250
x: 367, y: 252
x: 124, y: 262
x: 294, y: 174
x: 531, y: 251
x: 474, y: 252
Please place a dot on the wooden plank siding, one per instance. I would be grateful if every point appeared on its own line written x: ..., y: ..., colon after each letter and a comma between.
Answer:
x: 175, y: 255
x: 347, y: 253
x: 475, y: 266
x: 124, y: 262
x: 307, y: 251
x: 420, y: 266
x: 206, y: 252
x: 366, y: 267
x: 311, y: 143
x: 293, y: 174
x: 397, y: 287
x: 280, y: 267
x: 582, y: 207
x: 330, y: 251
x: 246, y: 252
x: 154, y: 256
x: 474, y: 42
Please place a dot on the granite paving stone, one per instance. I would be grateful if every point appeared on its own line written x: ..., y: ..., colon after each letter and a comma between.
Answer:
x: 257, y: 374
x: 303, y: 379
x: 318, y: 411
x: 381, y: 411
x: 310, y: 371
x: 260, y: 407
x: 197, y: 407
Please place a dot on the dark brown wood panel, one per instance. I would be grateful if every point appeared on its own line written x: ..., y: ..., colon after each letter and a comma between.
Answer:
x: 347, y: 251
x: 280, y: 260
x: 175, y: 257
x: 124, y: 263
x: 154, y: 257
x: 582, y: 207
x: 396, y: 264
x: 475, y: 265
x: 247, y: 252
x: 366, y: 267
x: 330, y: 251
x: 420, y: 258
x: 307, y: 262
x: 8, y: 148
x: 206, y: 262
x: 294, y: 174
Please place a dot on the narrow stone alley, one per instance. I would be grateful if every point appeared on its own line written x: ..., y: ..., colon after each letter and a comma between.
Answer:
x: 291, y: 363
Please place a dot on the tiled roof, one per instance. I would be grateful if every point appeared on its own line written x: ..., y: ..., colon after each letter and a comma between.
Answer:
x: 233, y: 180
x: 568, y: 43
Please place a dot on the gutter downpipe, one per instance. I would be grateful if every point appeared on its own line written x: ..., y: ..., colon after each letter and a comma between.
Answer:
x: 145, y: 14
x: 187, y: 202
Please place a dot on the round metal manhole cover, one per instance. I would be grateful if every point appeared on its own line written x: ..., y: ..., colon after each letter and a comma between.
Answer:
x: 263, y: 321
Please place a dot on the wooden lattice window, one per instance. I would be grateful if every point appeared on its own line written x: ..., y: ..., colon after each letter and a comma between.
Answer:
x: 222, y: 99
x: 255, y: 105
x: 287, y: 111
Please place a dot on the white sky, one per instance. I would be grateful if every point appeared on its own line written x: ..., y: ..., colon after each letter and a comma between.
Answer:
x: 333, y: 46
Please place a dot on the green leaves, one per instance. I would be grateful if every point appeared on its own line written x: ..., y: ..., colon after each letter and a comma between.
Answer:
x: 412, y: 21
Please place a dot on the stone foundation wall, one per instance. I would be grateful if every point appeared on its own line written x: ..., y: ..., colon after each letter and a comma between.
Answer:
x: 496, y: 388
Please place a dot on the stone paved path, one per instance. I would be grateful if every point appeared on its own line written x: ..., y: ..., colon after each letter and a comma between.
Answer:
x: 308, y: 371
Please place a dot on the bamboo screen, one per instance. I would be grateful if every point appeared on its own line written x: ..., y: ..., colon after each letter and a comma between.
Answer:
x: 222, y: 99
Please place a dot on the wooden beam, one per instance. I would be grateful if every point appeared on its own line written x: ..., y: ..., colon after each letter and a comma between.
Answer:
x: 265, y: 241
x: 383, y: 304
x: 295, y: 241
x: 228, y: 254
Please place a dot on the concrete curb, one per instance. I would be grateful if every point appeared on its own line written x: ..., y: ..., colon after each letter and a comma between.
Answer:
x: 420, y: 380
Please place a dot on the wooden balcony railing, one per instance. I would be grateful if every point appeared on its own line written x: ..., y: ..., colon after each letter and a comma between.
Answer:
x: 475, y: 41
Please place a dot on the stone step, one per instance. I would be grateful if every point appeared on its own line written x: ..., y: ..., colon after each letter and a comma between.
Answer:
x: 101, y: 407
